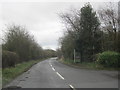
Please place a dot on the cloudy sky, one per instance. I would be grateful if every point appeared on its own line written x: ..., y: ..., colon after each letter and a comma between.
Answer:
x: 40, y: 18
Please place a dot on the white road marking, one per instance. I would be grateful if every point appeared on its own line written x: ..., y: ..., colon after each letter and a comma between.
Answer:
x: 53, y: 69
x: 72, y: 87
x: 50, y: 65
x: 60, y: 76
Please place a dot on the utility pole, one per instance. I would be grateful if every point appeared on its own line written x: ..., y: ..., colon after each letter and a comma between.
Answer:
x: 74, y: 55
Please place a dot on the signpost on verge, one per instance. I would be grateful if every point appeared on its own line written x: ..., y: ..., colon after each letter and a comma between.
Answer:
x: 74, y: 55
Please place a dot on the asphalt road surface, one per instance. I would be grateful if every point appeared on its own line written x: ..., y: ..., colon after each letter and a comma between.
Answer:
x: 52, y: 74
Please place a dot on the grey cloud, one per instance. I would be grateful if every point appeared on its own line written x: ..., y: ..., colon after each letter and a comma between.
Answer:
x: 41, y: 19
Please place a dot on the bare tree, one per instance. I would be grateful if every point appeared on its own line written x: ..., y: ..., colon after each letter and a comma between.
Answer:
x: 109, y: 19
x: 119, y: 26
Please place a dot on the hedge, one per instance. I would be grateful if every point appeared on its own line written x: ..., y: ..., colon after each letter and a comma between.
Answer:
x: 9, y: 59
x: 109, y: 59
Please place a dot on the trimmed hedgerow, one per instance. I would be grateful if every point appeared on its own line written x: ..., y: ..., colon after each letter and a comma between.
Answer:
x: 109, y: 59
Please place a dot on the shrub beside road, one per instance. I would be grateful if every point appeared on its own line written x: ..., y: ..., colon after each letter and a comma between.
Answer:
x: 111, y: 59
x: 0, y: 78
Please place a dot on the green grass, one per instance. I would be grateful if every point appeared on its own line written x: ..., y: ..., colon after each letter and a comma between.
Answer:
x: 87, y: 65
x: 9, y: 74
x: 0, y: 78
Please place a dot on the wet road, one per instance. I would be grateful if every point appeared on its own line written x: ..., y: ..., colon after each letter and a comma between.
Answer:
x: 52, y: 74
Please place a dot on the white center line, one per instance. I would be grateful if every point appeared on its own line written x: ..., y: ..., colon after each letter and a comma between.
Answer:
x: 53, y: 69
x: 71, y: 87
x: 60, y: 76
x: 51, y: 65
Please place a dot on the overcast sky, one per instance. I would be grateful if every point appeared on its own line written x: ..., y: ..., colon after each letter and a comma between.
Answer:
x: 40, y: 18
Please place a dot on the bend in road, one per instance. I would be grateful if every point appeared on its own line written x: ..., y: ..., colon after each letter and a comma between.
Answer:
x: 52, y: 74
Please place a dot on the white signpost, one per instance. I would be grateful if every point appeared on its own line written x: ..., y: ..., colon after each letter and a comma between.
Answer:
x: 74, y: 55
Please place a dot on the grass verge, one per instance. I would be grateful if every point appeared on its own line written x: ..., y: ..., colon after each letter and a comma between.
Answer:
x: 8, y: 74
x: 0, y: 78
x: 87, y: 65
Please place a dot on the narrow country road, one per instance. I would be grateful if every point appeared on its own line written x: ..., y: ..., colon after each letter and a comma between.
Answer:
x: 52, y: 74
